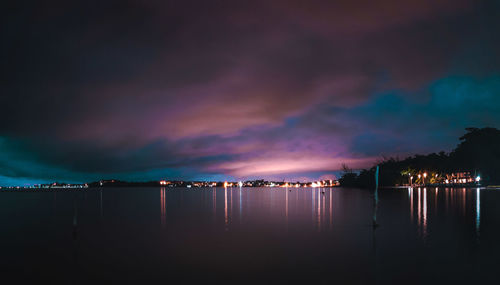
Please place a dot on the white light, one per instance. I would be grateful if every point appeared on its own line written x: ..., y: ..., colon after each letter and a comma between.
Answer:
x: 478, y: 178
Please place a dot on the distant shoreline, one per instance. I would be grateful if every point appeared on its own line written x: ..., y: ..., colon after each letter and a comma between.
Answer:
x: 46, y: 190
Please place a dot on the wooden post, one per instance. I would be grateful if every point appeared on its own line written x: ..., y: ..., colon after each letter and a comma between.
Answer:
x: 375, y: 199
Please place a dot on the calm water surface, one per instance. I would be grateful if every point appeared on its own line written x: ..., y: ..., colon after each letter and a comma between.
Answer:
x: 249, y: 235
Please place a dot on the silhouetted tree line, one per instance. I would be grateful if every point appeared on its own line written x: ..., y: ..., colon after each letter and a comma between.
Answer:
x: 478, y: 153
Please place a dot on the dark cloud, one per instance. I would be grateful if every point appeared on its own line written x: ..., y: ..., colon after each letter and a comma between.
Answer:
x: 218, y: 87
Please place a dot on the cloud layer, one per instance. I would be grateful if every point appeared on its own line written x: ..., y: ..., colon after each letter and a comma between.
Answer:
x: 204, y: 89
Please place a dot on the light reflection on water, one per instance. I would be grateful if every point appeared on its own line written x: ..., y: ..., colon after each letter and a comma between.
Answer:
x: 282, y: 203
x: 278, y: 234
x: 478, y: 210
x: 322, y: 202
x: 455, y: 199
x: 163, y: 205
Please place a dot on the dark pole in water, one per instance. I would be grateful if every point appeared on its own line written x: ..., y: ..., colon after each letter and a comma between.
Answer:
x: 75, y: 218
x: 75, y: 234
x: 375, y: 199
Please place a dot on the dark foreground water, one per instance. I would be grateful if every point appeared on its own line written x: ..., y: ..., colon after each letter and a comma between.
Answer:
x: 250, y: 235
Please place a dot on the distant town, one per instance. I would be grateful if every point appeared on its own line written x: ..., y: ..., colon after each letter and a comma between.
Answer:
x: 178, y: 184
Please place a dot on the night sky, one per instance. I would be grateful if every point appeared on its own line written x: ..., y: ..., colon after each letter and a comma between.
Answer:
x: 141, y: 90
